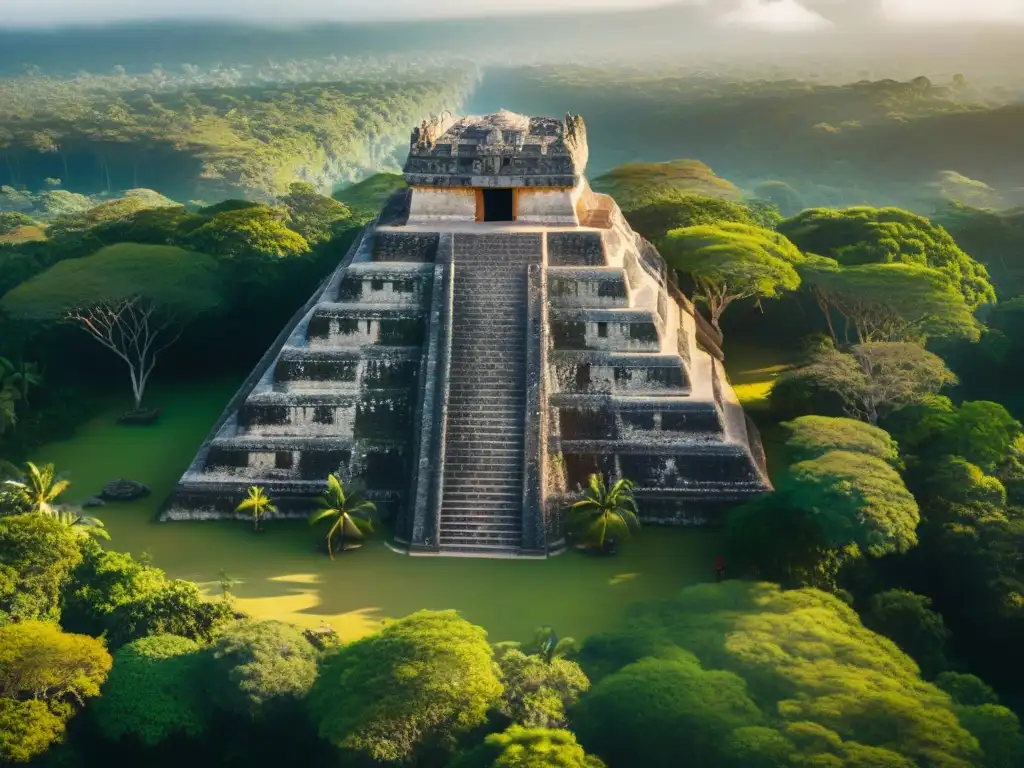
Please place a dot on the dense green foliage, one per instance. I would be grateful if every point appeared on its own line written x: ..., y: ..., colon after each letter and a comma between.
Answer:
x: 115, y: 595
x: 995, y: 238
x: 154, y: 691
x: 678, y: 210
x: 365, y: 198
x: 178, y: 280
x: 108, y: 133
x: 909, y: 621
x: 410, y: 690
x: 520, y: 747
x: 854, y: 499
x: 539, y: 691
x: 664, y: 712
x: 636, y: 185
x: 729, y: 262
x: 37, y: 553
x: 791, y: 676
x: 811, y: 437
x: 260, y: 667
x: 873, y: 379
x: 45, y: 676
x: 312, y: 216
x: 887, y: 302
x: 857, y: 236
x: 148, y: 248
x: 841, y: 500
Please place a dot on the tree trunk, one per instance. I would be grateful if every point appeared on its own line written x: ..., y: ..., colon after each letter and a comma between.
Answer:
x: 827, y: 311
x: 716, y: 315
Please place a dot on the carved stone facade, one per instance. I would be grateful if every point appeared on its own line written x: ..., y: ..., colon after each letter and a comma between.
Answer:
x: 500, y: 150
x: 471, y: 374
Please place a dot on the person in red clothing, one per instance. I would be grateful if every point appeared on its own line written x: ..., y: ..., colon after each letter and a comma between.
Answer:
x: 719, y: 568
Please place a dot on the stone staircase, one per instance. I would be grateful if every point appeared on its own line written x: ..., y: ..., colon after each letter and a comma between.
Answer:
x: 482, y: 507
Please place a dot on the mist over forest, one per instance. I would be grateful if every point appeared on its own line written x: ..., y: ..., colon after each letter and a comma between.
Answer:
x: 861, y: 111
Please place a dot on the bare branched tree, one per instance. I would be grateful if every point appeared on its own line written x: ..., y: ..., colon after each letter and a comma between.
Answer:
x: 135, y: 329
x: 874, y: 378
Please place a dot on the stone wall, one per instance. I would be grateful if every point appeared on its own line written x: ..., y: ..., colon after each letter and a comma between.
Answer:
x: 418, y: 527
x: 547, y: 206
x: 442, y: 204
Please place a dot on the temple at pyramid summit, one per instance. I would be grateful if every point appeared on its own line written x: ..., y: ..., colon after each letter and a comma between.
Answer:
x: 495, y: 336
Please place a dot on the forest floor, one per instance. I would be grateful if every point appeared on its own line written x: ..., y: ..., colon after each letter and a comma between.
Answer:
x: 280, y: 575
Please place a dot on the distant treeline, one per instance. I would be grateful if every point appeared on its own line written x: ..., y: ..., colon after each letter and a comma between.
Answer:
x: 90, y: 134
x: 874, y: 142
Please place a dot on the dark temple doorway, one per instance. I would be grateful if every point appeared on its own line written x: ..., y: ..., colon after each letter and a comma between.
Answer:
x: 498, y: 205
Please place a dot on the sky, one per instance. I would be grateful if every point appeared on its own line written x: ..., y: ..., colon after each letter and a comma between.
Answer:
x: 778, y: 15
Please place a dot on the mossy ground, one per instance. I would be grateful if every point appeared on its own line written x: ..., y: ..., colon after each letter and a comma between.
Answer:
x: 753, y: 370
x: 280, y: 574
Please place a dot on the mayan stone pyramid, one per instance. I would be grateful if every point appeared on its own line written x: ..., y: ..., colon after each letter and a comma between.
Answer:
x: 495, y: 336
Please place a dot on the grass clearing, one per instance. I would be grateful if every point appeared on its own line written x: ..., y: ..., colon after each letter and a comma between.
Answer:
x: 753, y: 370
x: 279, y: 574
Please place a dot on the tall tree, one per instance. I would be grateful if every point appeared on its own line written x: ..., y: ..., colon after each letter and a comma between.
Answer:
x: 854, y: 500
x: 155, y: 691
x: 46, y: 676
x: 729, y: 262
x: 132, y: 299
x: 874, y: 378
x: 37, y: 554
x: 258, y: 668
x: 864, y: 235
x: 888, y: 302
x: 410, y: 690
x: 676, y: 210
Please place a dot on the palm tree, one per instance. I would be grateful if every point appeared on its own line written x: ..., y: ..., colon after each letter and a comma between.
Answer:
x: 258, y: 503
x: 603, y: 511
x: 40, y: 488
x: 83, y: 525
x: 352, y: 513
